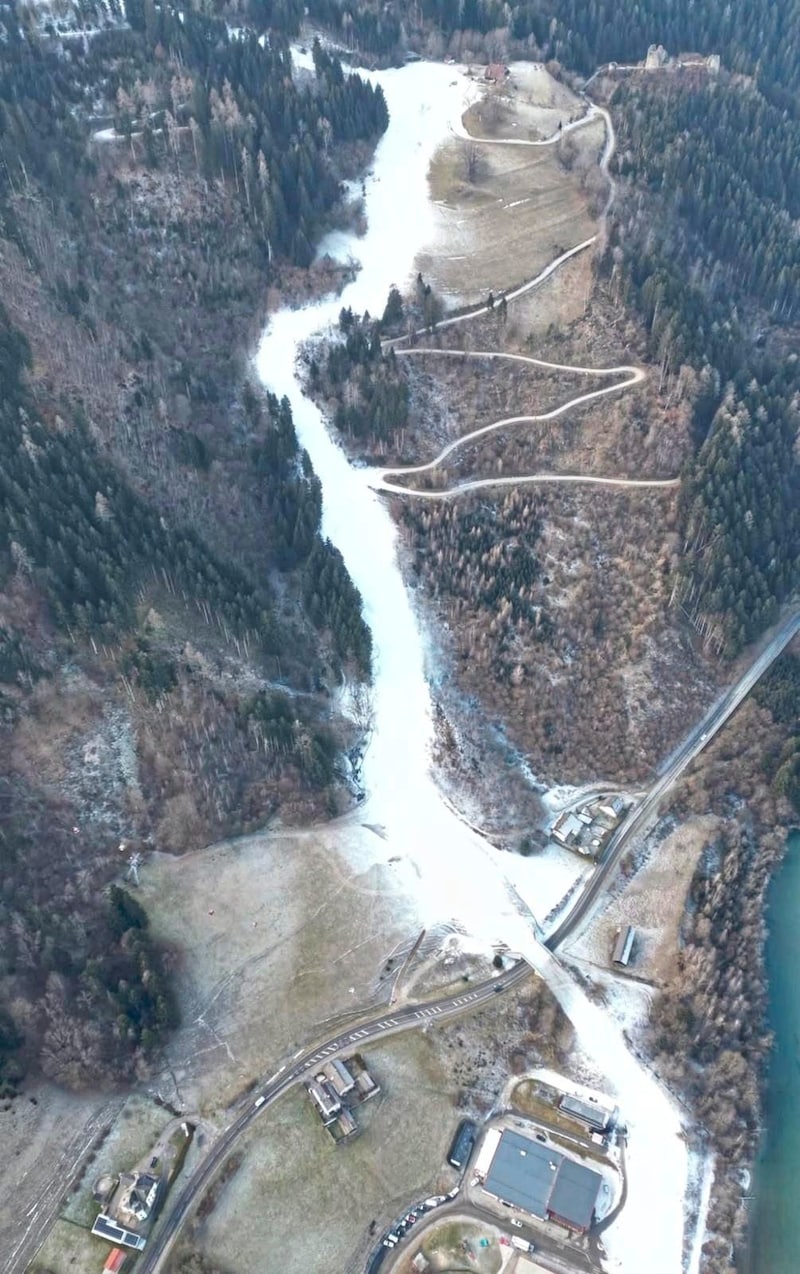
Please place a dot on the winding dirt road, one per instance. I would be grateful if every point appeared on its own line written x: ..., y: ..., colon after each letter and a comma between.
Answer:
x: 381, y: 480
x: 631, y: 375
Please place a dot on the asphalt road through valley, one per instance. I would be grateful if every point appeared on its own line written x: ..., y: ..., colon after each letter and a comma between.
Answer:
x: 644, y: 814
x: 301, y: 1067
x: 416, y: 1016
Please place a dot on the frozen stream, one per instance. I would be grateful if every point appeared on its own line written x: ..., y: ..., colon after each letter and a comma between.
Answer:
x: 449, y: 871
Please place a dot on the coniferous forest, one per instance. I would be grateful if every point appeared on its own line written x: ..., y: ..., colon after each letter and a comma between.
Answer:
x: 159, y: 523
x: 702, y: 246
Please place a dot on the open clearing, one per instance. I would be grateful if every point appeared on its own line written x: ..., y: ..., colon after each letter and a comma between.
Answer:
x: 45, y: 1134
x: 71, y: 1249
x: 135, y: 1130
x: 276, y: 934
x: 532, y: 105
x: 455, y: 1243
x: 654, y: 902
x: 521, y: 210
x: 298, y: 1203
x: 503, y: 212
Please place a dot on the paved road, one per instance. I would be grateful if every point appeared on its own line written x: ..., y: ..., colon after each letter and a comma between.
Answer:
x: 560, y: 1258
x: 644, y: 814
x: 417, y: 1016
x: 302, y: 1065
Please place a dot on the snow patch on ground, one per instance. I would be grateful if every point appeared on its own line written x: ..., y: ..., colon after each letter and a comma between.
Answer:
x: 450, y: 874
x: 705, y: 1169
x: 648, y: 1233
x: 302, y: 58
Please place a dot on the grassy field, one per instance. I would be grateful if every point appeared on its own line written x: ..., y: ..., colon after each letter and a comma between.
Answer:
x: 276, y: 937
x: 299, y: 1203
x: 70, y: 1248
x: 653, y: 901
x: 136, y: 1129
x: 521, y: 210
x: 503, y: 212
x: 536, y: 1101
x: 455, y: 1245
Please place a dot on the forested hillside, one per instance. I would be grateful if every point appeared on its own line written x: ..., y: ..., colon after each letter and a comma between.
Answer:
x: 727, y: 161
x: 741, y: 504
x: 171, y: 621
x: 703, y: 245
x: 754, y: 37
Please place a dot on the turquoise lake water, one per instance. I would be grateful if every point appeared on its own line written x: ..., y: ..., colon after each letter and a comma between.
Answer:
x: 774, y: 1246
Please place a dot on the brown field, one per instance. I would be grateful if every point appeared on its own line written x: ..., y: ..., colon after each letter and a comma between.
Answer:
x: 654, y: 901
x: 504, y: 211
x: 521, y: 210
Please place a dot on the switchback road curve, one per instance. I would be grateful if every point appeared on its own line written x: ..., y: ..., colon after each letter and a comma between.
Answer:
x: 631, y: 375
x: 593, y: 112
x: 627, y: 376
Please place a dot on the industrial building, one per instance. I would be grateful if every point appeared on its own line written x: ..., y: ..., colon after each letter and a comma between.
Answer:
x: 613, y: 809
x: 574, y: 1195
x: 339, y: 1077
x: 326, y: 1102
x: 105, y: 1227
x: 486, y: 1153
x: 567, y: 829
x: 130, y: 1205
x: 542, y: 1181
x: 623, y: 946
x: 598, y: 1118
x: 365, y: 1085
x: 588, y: 828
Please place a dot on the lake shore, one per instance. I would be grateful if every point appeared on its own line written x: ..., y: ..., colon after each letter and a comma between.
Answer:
x: 774, y: 1236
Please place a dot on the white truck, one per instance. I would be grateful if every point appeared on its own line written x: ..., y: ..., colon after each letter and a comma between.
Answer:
x: 522, y: 1244
x: 259, y: 1101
